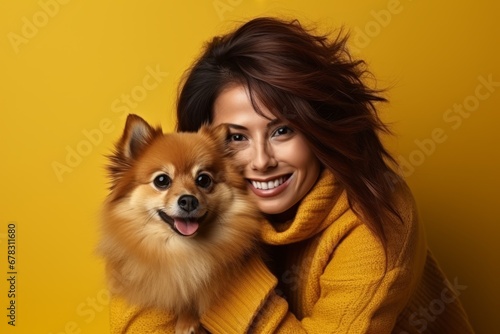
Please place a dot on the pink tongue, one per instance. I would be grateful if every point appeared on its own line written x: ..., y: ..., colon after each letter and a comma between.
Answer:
x: 186, y: 227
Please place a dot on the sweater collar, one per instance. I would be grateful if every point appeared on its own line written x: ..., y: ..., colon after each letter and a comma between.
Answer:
x: 324, y: 204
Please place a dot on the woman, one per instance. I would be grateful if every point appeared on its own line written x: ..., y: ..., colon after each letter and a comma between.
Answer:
x: 345, y: 249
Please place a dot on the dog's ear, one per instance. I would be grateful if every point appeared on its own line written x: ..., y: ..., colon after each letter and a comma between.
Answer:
x: 219, y: 134
x: 136, y: 136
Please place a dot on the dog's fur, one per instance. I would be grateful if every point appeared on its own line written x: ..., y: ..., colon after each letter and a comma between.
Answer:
x: 148, y: 261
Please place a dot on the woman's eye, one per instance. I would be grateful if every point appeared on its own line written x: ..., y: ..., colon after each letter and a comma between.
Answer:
x: 204, y: 180
x: 282, y: 131
x: 236, y: 137
x: 162, y: 181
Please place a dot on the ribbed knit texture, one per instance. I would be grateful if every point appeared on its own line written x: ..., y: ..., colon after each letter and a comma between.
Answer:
x: 334, y: 277
x: 125, y: 318
x: 234, y: 312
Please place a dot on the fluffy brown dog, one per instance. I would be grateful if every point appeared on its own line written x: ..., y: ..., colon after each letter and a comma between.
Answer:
x: 178, y: 221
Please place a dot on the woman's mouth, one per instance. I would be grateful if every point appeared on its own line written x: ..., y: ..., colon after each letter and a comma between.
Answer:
x: 271, y: 187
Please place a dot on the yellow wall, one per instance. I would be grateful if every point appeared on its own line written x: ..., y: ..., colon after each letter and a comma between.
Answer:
x: 68, y: 67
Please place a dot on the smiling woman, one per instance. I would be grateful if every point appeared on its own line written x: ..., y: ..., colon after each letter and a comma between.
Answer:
x: 314, y: 86
x: 280, y: 166
x: 345, y: 246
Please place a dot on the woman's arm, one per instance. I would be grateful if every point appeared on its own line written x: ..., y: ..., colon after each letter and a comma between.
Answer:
x: 125, y: 318
x: 356, y: 295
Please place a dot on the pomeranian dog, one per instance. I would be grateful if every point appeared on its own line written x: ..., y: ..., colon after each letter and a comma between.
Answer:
x: 178, y: 220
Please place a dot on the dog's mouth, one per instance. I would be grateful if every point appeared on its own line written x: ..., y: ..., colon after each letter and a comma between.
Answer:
x: 186, y: 227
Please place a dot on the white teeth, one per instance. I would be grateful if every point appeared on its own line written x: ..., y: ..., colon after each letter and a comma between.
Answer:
x: 268, y: 185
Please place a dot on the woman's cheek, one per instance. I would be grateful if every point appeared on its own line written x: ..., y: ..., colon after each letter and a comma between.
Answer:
x: 242, y: 157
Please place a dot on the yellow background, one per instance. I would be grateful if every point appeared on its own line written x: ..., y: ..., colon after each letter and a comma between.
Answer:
x: 64, y: 79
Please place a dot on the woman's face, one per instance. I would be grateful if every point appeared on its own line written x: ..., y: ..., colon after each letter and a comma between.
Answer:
x: 279, y: 165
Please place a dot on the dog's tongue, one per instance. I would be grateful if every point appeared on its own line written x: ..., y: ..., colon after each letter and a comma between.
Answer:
x: 185, y: 226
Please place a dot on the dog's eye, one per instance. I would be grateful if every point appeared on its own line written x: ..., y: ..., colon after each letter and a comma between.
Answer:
x: 162, y: 181
x: 204, y: 180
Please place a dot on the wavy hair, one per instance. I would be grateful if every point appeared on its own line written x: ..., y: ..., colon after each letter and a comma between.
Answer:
x: 312, y: 83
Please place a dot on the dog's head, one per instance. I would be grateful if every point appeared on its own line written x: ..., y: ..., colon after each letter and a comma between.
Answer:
x: 177, y: 181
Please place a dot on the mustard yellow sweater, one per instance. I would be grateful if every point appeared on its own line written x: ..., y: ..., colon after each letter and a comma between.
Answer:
x: 329, y: 274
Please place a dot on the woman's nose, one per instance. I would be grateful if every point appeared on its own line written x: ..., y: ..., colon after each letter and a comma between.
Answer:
x: 263, y: 157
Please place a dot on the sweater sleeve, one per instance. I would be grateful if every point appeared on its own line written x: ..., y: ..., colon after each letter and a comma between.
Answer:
x: 125, y: 318
x: 356, y: 295
x: 242, y: 300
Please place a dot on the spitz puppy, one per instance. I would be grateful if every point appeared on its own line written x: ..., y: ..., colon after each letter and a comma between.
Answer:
x: 178, y: 221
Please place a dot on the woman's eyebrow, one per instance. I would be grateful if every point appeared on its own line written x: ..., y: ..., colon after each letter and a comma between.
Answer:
x: 271, y: 123
x: 236, y: 126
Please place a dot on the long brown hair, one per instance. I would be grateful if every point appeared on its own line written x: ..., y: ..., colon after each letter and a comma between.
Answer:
x: 312, y: 83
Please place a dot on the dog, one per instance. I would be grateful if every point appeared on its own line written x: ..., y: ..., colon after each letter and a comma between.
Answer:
x: 178, y: 221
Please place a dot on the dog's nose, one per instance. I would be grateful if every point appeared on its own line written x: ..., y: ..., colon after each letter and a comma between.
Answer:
x: 188, y: 203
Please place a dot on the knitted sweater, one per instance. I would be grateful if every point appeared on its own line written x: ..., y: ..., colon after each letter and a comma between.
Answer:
x: 329, y: 274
